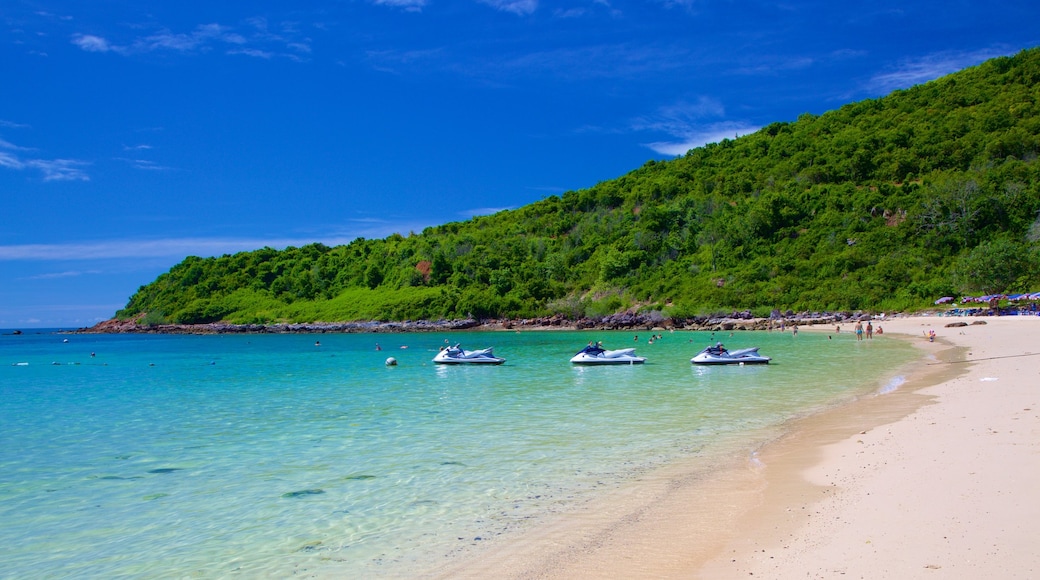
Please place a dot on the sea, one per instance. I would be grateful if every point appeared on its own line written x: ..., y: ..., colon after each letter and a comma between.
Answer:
x: 277, y: 455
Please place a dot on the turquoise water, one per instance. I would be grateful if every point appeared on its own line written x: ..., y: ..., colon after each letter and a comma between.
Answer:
x: 269, y: 455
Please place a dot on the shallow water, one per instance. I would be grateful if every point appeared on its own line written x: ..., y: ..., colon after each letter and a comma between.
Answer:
x: 269, y: 455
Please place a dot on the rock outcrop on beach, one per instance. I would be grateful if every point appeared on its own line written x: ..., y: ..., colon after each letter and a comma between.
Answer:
x: 717, y: 322
x: 135, y: 326
x: 621, y: 321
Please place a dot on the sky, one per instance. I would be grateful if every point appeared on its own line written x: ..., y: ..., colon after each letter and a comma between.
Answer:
x: 135, y: 133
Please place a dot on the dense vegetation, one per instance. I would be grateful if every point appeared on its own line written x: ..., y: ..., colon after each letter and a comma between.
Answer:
x: 882, y: 204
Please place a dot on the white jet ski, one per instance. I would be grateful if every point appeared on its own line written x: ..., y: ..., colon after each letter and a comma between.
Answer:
x: 718, y: 355
x: 596, y: 355
x: 455, y: 355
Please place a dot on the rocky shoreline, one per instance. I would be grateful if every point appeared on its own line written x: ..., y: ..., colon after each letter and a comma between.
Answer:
x: 622, y: 321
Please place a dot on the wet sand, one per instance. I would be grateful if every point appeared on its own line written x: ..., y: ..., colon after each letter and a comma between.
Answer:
x: 936, y: 479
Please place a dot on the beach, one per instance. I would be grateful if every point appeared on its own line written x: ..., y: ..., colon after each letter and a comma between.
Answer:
x: 935, y: 477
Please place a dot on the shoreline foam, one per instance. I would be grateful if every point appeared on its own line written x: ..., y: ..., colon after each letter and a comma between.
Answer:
x: 833, y: 495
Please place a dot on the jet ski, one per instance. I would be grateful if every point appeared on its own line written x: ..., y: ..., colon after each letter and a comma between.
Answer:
x: 718, y: 355
x: 455, y: 355
x: 597, y: 355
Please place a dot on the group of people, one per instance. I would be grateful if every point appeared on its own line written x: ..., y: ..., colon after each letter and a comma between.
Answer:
x: 860, y: 330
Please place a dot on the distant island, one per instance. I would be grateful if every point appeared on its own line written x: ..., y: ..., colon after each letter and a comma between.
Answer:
x: 882, y: 205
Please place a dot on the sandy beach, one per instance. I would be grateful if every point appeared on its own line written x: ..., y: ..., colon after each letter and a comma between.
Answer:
x: 936, y: 478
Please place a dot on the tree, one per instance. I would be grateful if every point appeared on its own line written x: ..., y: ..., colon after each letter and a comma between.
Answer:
x: 996, y: 266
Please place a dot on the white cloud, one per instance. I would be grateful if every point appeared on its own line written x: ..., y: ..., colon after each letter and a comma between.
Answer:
x: 260, y: 42
x: 690, y: 125
x: 10, y: 161
x: 169, y: 41
x: 518, y: 7
x: 91, y: 43
x: 595, y: 61
x: 182, y: 247
x: 52, y: 169
x: 678, y: 119
x: 776, y: 64
x: 914, y: 71
x: 66, y: 274
x: 712, y: 133
x: 252, y: 52
x: 4, y: 144
x: 60, y: 169
x: 684, y: 4
x: 408, y: 5
x: 143, y: 164
x: 569, y: 13
x: 216, y: 31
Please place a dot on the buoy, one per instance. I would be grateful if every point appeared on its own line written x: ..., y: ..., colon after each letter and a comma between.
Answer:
x: 390, y: 362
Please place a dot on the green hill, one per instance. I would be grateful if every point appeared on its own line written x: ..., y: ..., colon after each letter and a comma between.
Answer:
x: 882, y: 204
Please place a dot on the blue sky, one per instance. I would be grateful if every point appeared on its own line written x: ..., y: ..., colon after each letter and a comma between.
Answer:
x: 134, y: 134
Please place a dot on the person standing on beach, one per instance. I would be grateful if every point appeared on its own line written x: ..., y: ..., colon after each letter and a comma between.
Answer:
x: 870, y: 330
x: 859, y: 330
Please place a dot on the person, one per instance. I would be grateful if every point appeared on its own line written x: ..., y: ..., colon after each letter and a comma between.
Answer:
x: 870, y: 330
x: 931, y: 336
x: 378, y: 347
x: 880, y: 330
x: 859, y: 330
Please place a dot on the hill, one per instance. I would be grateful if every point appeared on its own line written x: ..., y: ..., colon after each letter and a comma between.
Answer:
x: 882, y: 204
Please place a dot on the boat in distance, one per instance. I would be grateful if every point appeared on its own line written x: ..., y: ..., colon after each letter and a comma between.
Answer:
x: 719, y: 355
x: 597, y: 355
x: 456, y: 355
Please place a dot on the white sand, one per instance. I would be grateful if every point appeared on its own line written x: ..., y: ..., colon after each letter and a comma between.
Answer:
x: 950, y: 491
x: 939, y: 479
